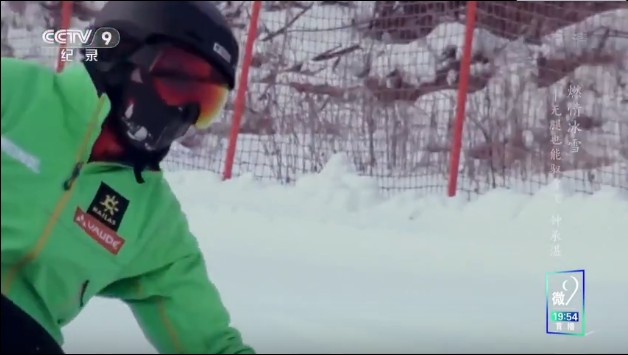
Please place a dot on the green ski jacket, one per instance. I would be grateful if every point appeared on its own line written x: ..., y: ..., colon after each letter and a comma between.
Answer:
x: 73, y: 229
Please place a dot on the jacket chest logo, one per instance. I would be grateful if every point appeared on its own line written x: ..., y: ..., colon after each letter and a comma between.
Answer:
x: 108, y: 206
x: 103, y: 217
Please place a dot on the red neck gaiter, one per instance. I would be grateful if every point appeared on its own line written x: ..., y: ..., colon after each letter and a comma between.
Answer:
x: 107, y: 146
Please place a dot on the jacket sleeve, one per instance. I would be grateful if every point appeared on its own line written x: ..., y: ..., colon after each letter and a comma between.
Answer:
x: 177, y: 306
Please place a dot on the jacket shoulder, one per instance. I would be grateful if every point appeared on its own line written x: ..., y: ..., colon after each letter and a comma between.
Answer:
x: 173, y: 219
x: 20, y: 80
x: 18, y: 75
x: 17, y: 67
x: 163, y: 226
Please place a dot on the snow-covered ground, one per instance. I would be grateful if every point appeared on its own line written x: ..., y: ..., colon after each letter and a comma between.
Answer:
x: 278, y: 158
x: 328, y: 265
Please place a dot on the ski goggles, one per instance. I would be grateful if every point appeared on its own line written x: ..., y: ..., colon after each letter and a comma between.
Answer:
x: 180, y: 77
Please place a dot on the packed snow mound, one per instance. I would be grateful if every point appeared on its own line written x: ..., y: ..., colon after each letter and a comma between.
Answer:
x: 330, y: 265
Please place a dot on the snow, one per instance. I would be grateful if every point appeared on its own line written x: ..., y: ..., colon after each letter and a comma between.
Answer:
x: 284, y: 158
x: 330, y: 265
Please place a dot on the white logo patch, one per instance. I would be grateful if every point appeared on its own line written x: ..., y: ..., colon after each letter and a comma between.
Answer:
x: 17, y: 153
x: 222, y: 52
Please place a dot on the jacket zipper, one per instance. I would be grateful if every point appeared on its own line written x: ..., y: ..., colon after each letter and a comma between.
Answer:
x: 76, y: 171
x: 82, y: 294
x: 68, y: 186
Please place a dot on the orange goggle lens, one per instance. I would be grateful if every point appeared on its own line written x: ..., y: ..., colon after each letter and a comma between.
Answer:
x: 181, y: 77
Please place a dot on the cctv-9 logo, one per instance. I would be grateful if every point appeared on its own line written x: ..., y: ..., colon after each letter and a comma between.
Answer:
x: 103, y: 37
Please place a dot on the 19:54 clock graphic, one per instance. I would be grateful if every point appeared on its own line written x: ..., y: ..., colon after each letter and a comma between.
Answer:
x: 564, y: 302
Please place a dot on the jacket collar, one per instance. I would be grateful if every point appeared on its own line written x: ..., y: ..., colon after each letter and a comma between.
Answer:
x: 79, y: 92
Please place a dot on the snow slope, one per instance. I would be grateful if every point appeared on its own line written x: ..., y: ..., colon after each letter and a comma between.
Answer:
x: 328, y: 265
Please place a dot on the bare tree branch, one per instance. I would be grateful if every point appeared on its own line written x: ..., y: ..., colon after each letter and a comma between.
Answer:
x: 287, y: 25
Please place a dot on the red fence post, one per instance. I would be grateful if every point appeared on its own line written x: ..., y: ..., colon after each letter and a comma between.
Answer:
x: 465, y: 68
x: 66, y: 19
x: 241, y: 93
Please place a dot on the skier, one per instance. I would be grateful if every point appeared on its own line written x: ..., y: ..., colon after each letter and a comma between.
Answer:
x: 86, y: 210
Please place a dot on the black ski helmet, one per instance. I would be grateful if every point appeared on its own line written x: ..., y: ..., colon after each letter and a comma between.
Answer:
x: 198, y: 25
x: 146, y: 121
